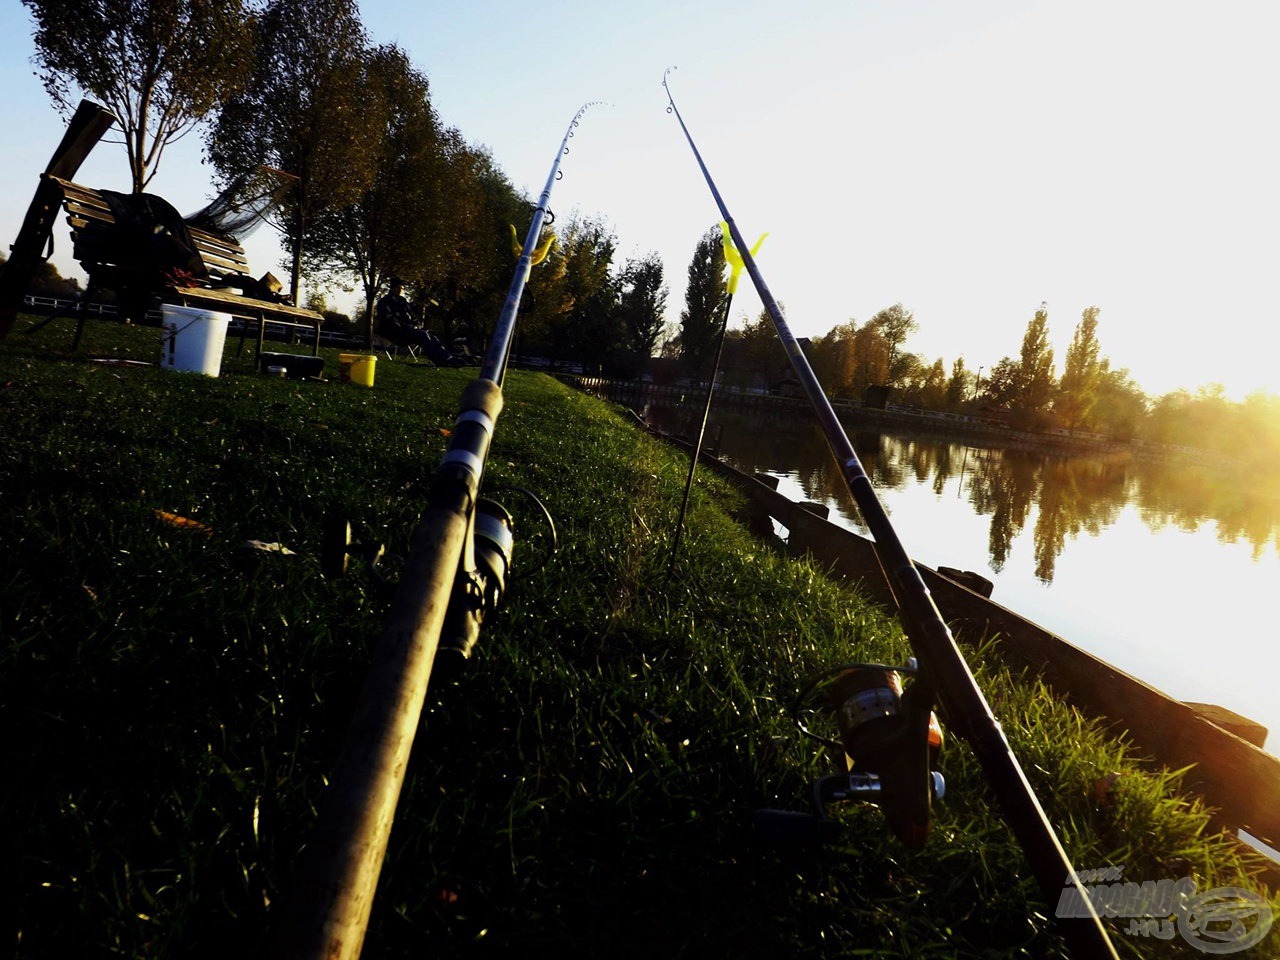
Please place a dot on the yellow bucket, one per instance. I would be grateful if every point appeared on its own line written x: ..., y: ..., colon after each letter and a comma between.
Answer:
x: 357, y: 368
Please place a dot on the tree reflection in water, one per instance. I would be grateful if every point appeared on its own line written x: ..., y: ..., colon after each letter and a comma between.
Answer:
x: 1072, y: 494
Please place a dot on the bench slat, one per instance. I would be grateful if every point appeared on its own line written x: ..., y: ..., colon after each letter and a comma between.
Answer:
x: 219, y: 266
x: 221, y: 251
x: 86, y: 214
x: 202, y: 296
x: 83, y: 194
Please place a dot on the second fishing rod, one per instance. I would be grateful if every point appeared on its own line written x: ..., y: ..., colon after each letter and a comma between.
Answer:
x: 452, y: 578
x: 905, y: 789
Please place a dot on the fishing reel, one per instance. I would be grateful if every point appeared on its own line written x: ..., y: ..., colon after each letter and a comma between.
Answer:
x: 888, y: 746
x: 484, y: 572
x: 481, y: 580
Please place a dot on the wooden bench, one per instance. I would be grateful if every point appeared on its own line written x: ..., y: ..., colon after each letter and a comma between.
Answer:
x: 92, y: 223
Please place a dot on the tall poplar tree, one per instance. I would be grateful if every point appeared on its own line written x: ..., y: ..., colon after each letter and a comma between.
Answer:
x: 894, y: 324
x: 833, y: 358
x: 957, y: 385
x: 704, y: 298
x: 579, y: 298
x: 1034, y: 378
x: 1081, y: 375
x: 933, y: 386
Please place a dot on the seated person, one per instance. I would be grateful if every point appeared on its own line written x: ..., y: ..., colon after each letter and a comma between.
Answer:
x: 394, y: 320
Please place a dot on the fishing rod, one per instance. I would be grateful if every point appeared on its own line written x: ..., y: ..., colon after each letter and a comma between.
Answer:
x: 734, y: 261
x: 454, y: 575
x: 886, y: 733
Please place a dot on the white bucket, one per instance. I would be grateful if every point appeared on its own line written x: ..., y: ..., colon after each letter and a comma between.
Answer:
x: 193, y: 339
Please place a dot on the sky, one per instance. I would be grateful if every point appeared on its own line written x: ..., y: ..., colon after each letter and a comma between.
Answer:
x: 969, y: 161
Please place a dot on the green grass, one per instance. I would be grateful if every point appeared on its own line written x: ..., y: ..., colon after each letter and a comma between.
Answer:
x: 171, y: 701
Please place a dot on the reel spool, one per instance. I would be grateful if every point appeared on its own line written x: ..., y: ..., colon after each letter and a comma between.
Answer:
x: 889, y: 742
x: 478, y: 590
x: 862, y: 700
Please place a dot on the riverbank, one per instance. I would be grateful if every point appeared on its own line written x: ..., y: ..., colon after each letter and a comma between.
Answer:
x: 892, y: 417
x: 173, y: 698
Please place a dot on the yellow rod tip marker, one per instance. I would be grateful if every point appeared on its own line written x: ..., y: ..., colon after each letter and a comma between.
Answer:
x: 733, y: 258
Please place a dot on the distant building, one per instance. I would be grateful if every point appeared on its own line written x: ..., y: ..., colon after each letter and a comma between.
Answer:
x: 787, y: 387
x: 876, y: 396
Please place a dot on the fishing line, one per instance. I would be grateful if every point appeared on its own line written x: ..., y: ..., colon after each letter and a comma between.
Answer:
x: 734, y: 261
x: 697, y: 447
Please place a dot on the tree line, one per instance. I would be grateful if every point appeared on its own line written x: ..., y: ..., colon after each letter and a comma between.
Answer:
x: 293, y: 97
x: 48, y: 282
x: 1023, y: 389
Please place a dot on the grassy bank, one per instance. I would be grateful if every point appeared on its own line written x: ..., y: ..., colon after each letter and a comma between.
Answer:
x: 171, y: 699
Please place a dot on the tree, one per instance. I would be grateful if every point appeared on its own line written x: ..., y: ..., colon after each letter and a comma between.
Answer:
x: 933, y: 386
x: 1078, y: 389
x: 957, y: 385
x: 704, y: 297
x: 1034, y: 378
x: 642, y: 304
x: 895, y: 324
x: 871, y: 359
x: 474, y: 271
x: 758, y: 352
x: 835, y: 358
x: 160, y: 66
x: 1193, y: 420
x: 580, y: 300
x: 395, y: 226
x: 1259, y: 419
x: 48, y: 282
x: 1001, y: 386
x: 302, y: 112
x: 1120, y: 406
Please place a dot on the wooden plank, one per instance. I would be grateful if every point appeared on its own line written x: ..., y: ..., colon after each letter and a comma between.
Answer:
x: 81, y: 217
x: 85, y: 205
x: 221, y: 257
x: 214, y: 299
x: 1242, y: 727
x: 1235, y: 776
x: 79, y: 192
x: 76, y: 205
x: 222, y: 264
x: 212, y: 242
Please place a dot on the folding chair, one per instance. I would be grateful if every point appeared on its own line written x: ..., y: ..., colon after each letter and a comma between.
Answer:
x: 392, y: 350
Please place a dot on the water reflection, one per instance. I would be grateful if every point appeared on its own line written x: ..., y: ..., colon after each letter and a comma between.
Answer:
x: 1068, y: 495
x: 1117, y: 555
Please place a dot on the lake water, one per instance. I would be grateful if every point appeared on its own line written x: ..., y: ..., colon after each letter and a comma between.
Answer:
x: 1161, y: 570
